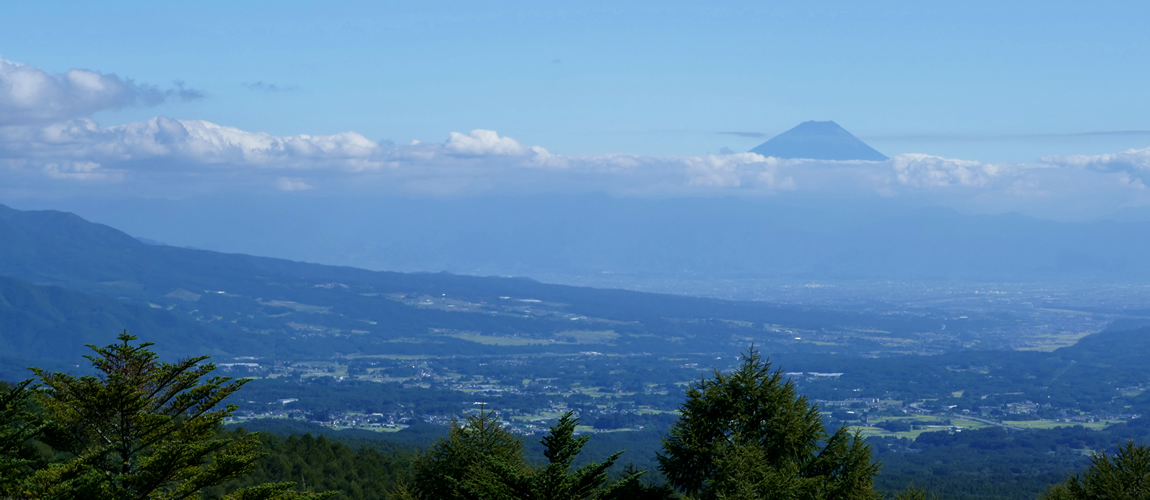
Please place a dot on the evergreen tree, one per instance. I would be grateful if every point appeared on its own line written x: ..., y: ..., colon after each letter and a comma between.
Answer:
x: 556, y: 481
x: 748, y: 435
x: 638, y: 490
x: 368, y: 470
x: 1125, y: 476
x: 457, y: 467
x: 913, y: 492
x: 18, y: 425
x: 466, y: 456
x: 143, y: 429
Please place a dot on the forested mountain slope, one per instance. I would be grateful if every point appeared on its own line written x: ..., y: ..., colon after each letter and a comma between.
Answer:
x: 284, y: 309
x: 53, y: 323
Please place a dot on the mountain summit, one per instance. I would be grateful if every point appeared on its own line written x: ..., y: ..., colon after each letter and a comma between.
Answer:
x: 818, y: 141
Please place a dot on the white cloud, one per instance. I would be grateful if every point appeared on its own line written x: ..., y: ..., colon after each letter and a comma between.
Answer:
x: 735, y: 171
x: 1134, y: 163
x: 209, y: 143
x: 194, y: 142
x: 481, y: 161
x: 80, y: 170
x: 485, y: 142
x: 49, y: 142
x: 47, y: 127
x: 31, y: 95
x: 925, y: 171
x: 168, y: 157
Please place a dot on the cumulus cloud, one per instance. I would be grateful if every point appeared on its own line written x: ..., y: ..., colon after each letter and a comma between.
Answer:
x: 188, y: 151
x: 169, y: 157
x: 1134, y: 163
x: 484, y: 142
x: 79, y: 170
x: 31, y: 95
x: 735, y: 171
x: 926, y: 171
x: 479, y: 161
x: 49, y: 142
x: 186, y: 142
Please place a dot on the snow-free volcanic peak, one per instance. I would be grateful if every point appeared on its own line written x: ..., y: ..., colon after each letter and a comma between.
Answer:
x: 818, y: 141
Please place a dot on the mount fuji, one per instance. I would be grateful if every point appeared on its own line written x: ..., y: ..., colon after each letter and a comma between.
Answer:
x: 818, y: 141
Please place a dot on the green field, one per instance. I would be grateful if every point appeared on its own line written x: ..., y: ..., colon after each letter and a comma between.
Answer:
x: 926, y: 423
x: 500, y: 341
x: 587, y: 336
x: 1048, y: 343
x: 1051, y: 424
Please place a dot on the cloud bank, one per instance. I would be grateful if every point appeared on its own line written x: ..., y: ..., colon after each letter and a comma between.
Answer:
x: 30, y: 95
x: 925, y: 171
x: 1133, y: 164
x: 50, y: 143
x: 476, y: 162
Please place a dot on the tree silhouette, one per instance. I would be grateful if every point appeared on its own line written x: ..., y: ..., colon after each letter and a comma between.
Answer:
x: 1124, y: 476
x: 749, y: 435
x: 482, y: 460
x: 143, y: 429
x: 18, y: 425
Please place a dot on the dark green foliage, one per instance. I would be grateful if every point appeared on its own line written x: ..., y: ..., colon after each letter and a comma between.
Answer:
x: 749, y: 435
x: 913, y: 492
x: 556, y: 481
x: 640, y: 490
x: 18, y: 425
x: 141, y: 429
x: 48, y: 322
x: 1124, y: 476
x: 273, y: 491
x: 320, y: 464
x: 995, y: 464
x: 472, y: 452
x: 894, y: 425
x: 481, y: 460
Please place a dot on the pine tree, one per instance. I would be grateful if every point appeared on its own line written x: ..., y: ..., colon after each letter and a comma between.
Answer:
x: 18, y: 425
x: 637, y: 490
x: 143, y: 429
x: 465, y: 458
x: 748, y: 435
x: 1125, y: 476
x: 458, y: 466
x: 556, y: 481
x: 913, y: 492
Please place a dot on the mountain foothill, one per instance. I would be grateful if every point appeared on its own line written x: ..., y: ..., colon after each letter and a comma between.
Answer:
x: 66, y: 282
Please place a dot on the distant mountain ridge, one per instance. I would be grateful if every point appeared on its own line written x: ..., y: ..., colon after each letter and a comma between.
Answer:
x: 818, y: 141
x: 596, y: 239
x: 70, y: 280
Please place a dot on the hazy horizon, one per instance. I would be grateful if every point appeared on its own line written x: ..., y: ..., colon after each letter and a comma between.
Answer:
x: 518, y: 139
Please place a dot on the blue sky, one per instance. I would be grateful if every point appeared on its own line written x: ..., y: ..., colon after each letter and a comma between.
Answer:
x: 988, y: 107
x: 987, y: 81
